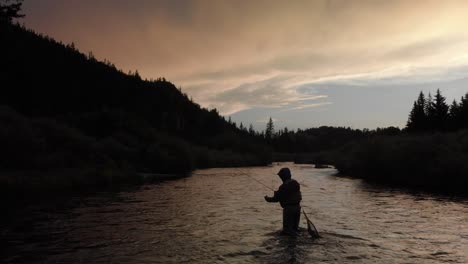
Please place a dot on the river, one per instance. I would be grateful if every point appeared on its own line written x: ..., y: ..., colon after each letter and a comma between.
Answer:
x: 220, y: 216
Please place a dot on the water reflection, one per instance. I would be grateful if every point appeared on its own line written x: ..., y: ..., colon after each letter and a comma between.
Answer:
x: 219, y: 216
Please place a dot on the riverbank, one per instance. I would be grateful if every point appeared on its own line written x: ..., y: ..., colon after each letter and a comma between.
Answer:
x: 28, y: 186
x: 435, y: 162
x: 431, y: 162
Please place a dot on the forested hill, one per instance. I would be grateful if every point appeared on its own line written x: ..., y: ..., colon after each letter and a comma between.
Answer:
x: 61, y: 108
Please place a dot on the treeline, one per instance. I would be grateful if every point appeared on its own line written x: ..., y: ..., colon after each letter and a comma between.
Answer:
x: 45, y: 144
x: 431, y: 153
x: 430, y: 114
x: 432, y: 161
x: 309, y: 145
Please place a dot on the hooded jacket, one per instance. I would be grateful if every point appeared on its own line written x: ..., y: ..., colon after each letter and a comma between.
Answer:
x: 289, y: 193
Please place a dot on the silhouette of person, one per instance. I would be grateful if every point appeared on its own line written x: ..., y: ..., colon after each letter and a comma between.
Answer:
x: 289, y: 196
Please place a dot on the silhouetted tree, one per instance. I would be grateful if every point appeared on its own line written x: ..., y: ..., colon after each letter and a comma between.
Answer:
x: 251, y: 130
x: 9, y: 9
x: 137, y: 75
x: 463, y: 112
x: 417, y: 120
x: 429, y: 108
x: 434, y: 114
x: 454, y: 116
x: 439, y: 112
x: 270, y: 130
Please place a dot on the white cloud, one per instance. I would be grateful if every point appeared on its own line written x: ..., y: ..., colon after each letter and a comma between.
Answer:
x: 305, y: 106
x: 274, y: 92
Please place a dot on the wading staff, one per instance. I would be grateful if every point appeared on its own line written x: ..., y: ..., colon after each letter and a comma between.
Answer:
x: 310, y: 226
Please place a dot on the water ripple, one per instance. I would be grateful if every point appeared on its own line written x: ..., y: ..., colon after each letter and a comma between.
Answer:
x: 219, y: 216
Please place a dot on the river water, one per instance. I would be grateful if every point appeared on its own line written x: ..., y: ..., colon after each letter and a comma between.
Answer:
x: 220, y: 216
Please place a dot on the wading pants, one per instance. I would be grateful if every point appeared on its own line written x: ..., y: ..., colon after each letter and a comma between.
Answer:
x: 291, y: 217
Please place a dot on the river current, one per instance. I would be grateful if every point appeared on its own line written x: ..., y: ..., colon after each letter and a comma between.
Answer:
x: 220, y: 216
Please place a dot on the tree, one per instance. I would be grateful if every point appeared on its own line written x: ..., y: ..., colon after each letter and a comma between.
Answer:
x: 463, y: 112
x: 440, y: 112
x: 251, y: 130
x: 417, y: 120
x: 270, y: 130
x: 9, y: 9
x: 137, y: 75
x: 454, y: 116
x: 428, y: 107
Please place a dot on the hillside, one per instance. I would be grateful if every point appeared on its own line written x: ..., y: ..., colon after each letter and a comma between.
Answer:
x: 63, y: 109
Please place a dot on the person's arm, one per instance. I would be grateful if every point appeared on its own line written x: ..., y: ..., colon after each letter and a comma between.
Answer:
x: 273, y: 199
x: 276, y: 196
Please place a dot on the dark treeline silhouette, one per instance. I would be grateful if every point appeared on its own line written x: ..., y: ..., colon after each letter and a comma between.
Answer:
x: 431, y: 161
x: 430, y: 153
x: 313, y: 144
x: 62, y: 109
x: 434, y: 114
x: 323, y: 138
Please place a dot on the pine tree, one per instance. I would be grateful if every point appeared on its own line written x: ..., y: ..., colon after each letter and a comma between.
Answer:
x: 136, y: 74
x: 440, y: 112
x: 417, y: 120
x: 430, y: 112
x: 463, y: 112
x: 270, y: 130
x: 454, y: 116
x: 251, y: 130
x: 9, y: 11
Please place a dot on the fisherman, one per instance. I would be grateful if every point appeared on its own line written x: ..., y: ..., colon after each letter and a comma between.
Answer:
x: 289, y: 196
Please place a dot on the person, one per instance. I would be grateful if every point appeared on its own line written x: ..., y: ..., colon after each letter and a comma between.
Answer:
x: 289, y: 196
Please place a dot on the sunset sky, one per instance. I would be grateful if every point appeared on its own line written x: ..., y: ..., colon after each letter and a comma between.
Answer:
x: 304, y: 63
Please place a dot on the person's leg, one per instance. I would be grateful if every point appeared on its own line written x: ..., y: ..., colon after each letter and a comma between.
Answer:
x: 289, y: 221
x: 297, y: 218
x: 285, y: 220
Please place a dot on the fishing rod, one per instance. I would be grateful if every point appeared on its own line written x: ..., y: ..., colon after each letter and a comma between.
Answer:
x: 245, y: 174
x: 310, y: 226
x: 258, y: 181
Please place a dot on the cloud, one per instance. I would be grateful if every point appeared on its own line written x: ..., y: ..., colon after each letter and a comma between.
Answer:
x: 272, y: 92
x: 238, y: 55
x: 305, y: 106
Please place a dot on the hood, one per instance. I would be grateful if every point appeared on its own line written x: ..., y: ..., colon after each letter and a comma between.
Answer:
x: 284, y: 174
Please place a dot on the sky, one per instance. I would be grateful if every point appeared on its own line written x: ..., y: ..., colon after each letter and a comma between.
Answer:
x: 303, y: 63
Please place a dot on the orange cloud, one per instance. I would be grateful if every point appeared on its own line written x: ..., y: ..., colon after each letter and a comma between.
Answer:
x: 224, y: 53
